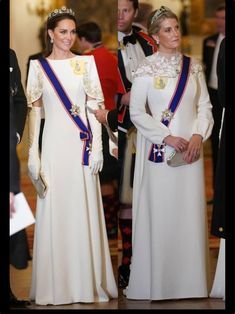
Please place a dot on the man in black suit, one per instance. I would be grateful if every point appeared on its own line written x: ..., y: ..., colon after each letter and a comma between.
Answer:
x: 134, y: 45
x: 19, y: 251
x: 218, y: 214
x: 218, y: 227
x: 211, y: 46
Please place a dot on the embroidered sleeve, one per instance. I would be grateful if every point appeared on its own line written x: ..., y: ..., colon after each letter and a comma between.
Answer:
x: 196, y: 67
x: 34, y: 83
x: 91, y: 81
x: 204, y: 122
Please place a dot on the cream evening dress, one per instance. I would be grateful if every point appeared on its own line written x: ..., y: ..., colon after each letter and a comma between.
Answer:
x: 71, y: 258
x: 170, y: 236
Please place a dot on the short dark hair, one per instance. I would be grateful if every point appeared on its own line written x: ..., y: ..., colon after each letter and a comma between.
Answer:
x: 135, y: 4
x: 220, y: 7
x: 90, y: 31
x: 144, y: 10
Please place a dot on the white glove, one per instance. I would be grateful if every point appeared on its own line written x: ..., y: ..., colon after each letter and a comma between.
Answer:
x: 34, y: 129
x: 96, y: 156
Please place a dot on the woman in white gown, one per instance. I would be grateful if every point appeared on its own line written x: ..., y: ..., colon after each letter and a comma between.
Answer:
x: 170, y: 236
x: 71, y: 258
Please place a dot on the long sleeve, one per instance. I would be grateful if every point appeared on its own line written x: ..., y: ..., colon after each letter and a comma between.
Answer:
x: 95, y: 101
x: 151, y: 129
x: 112, y: 118
x: 204, y: 123
x: 93, y: 90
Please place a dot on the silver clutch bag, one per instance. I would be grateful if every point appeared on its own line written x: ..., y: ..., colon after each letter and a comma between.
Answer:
x: 40, y: 185
x: 175, y: 159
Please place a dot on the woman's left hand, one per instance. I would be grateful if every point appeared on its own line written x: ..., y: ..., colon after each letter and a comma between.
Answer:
x: 194, y: 147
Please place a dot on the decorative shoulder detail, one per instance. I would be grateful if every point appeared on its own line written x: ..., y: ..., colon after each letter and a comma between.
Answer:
x: 35, y: 82
x: 145, y: 69
x: 159, y: 65
x: 91, y: 79
x: 196, y: 67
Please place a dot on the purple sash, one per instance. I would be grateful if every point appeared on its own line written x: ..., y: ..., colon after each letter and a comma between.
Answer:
x: 85, y: 133
x: 156, y: 153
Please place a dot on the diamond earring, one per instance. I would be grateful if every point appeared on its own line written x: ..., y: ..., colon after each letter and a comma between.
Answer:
x: 52, y: 40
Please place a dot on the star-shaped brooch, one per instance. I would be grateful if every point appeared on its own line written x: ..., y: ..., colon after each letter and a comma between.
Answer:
x: 167, y: 115
x: 75, y: 110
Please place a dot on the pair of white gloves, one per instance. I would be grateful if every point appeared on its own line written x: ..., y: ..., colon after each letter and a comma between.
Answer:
x: 96, y: 154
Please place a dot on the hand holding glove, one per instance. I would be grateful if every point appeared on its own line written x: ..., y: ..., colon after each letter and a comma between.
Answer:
x: 96, y: 156
x: 34, y: 129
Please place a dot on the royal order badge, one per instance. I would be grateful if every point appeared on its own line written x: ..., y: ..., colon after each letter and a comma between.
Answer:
x: 167, y: 115
x: 160, y: 82
x: 75, y: 110
x: 78, y: 66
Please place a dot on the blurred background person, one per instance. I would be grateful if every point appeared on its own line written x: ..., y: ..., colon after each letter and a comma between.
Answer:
x: 210, y: 52
x: 218, y: 214
x: 140, y: 22
x: 19, y: 250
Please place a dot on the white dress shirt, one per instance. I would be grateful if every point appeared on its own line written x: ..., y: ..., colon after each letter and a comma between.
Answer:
x: 132, y: 56
x: 213, y: 80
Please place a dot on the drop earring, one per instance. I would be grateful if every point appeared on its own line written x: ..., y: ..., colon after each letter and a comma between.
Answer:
x: 157, y: 41
x: 52, y: 40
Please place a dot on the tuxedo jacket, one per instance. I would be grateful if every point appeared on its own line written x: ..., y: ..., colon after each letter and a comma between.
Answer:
x: 218, y: 227
x: 209, y: 44
x: 149, y: 47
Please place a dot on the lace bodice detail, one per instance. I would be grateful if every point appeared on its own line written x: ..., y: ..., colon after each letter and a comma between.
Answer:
x: 168, y: 65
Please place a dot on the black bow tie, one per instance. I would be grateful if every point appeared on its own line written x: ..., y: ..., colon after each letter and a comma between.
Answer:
x: 129, y: 39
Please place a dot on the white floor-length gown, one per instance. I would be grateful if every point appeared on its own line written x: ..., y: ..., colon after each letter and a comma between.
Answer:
x: 71, y: 258
x: 218, y: 288
x: 170, y: 236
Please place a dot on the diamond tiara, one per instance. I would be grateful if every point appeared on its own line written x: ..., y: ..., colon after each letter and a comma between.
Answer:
x: 159, y: 12
x: 62, y: 10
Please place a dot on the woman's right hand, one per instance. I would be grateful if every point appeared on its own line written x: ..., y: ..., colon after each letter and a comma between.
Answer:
x: 177, y: 142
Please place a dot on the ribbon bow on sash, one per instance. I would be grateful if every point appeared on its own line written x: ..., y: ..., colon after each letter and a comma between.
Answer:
x: 85, y: 132
x: 156, y: 153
